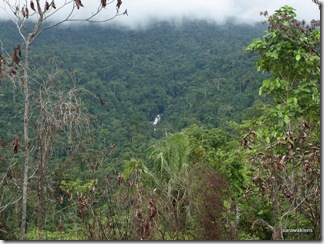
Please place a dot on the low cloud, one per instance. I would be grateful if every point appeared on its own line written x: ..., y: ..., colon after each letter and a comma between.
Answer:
x: 142, y: 13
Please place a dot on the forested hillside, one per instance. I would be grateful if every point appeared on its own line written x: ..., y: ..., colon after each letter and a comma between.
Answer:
x: 174, y: 132
x: 197, y: 73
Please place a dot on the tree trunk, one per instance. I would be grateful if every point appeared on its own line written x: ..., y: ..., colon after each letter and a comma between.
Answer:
x: 44, y: 144
x: 31, y: 37
x: 26, y: 141
x: 40, y: 209
x: 277, y: 234
x: 41, y: 205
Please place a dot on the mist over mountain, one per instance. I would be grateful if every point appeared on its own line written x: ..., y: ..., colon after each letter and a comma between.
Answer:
x: 144, y: 13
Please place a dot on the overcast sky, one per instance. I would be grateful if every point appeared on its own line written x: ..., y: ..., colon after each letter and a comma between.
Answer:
x: 143, y: 12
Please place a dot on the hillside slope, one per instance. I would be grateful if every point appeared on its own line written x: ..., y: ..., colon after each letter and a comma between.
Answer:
x: 197, y: 73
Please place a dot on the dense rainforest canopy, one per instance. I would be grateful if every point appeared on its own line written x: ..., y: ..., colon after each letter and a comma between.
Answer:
x: 165, y: 133
x: 197, y: 73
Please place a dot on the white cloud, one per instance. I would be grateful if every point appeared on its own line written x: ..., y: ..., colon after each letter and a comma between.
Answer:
x: 143, y: 12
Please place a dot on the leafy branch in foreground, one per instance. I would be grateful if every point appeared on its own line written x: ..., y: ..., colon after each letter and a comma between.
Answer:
x: 284, y: 144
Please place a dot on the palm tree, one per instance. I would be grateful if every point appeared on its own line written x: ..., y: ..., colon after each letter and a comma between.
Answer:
x: 170, y: 158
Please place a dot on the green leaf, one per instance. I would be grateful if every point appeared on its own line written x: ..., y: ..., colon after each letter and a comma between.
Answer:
x: 298, y: 57
x: 227, y: 204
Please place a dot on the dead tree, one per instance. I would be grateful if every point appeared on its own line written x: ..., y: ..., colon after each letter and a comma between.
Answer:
x: 42, y: 12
